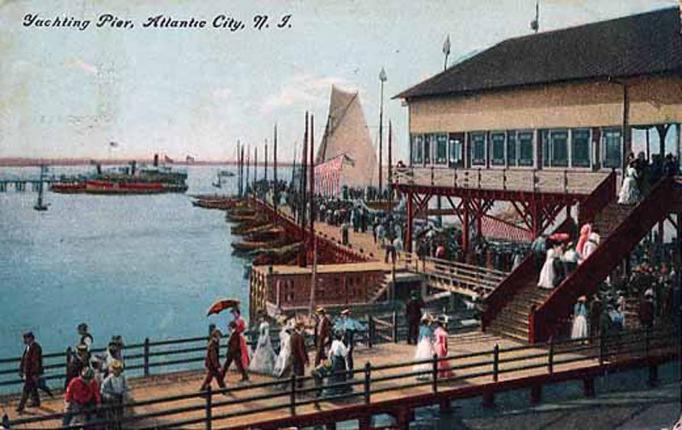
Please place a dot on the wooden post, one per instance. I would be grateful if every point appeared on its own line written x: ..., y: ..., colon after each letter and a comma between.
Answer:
x: 368, y: 375
x: 394, y: 318
x: 496, y: 362
x: 146, y: 356
x: 602, y: 349
x: 292, y: 395
x: 370, y: 331
x: 68, y: 359
x: 434, y: 373
x: 209, y: 407
x: 550, y: 356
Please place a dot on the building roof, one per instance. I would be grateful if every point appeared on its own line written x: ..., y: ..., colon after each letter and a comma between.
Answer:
x: 635, y: 45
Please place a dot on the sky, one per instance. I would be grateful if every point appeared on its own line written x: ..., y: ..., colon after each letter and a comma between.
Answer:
x: 66, y: 92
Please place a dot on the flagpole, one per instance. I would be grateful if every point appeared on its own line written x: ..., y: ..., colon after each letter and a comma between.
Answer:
x: 274, y: 166
x: 382, y: 79
x: 313, y: 239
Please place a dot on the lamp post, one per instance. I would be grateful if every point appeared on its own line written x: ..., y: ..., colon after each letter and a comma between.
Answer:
x: 382, y: 79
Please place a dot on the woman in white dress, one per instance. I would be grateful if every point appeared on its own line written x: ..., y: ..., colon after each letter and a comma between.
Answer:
x: 579, y: 330
x: 263, y: 360
x: 424, y: 349
x: 547, y: 274
x: 283, y: 361
x: 629, y: 193
x: 591, y: 245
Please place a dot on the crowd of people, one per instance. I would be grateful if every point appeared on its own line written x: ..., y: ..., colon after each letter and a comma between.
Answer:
x: 91, y: 379
x: 641, y: 175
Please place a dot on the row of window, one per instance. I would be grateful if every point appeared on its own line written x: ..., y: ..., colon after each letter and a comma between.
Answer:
x: 512, y: 148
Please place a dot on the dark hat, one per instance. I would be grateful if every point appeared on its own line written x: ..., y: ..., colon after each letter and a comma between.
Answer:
x: 28, y: 334
x: 82, y: 326
x: 116, y: 340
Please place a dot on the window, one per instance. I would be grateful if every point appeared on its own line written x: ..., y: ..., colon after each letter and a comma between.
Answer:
x: 455, y: 149
x: 580, y: 147
x: 497, y: 143
x: 441, y: 149
x: 555, y: 148
x: 525, y: 141
x: 417, y: 148
x: 478, y: 149
x: 511, y: 148
x: 611, y: 143
x: 428, y: 138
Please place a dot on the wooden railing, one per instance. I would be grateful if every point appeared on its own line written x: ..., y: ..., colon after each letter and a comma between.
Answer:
x: 149, y: 357
x: 547, y: 318
x: 484, y: 372
x: 529, y: 180
x: 604, y: 194
x: 468, y: 279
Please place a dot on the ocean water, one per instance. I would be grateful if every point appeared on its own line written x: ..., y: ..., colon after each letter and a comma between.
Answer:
x: 138, y: 266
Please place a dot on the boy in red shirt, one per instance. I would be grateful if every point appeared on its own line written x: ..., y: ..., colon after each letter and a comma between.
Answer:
x: 82, y: 396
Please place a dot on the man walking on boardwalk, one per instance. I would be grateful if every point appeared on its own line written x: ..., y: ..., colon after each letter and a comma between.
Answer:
x: 234, y: 353
x: 30, y: 370
x: 413, y: 314
x: 212, y: 362
x: 299, y: 356
x: 323, y: 335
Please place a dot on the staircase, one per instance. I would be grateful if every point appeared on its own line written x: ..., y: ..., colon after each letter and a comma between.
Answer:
x: 621, y: 229
x: 512, y: 320
x: 376, y: 292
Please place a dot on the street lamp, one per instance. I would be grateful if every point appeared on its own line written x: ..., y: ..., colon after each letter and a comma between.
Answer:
x: 382, y: 79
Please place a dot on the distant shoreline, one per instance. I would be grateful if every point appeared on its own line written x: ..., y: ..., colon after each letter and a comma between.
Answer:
x: 33, y: 162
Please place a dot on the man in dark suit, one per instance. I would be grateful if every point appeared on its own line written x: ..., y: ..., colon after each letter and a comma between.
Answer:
x: 212, y: 362
x: 299, y: 356
x: 413, y: 314
x: 30, y: 370
x: 323, y: 335
x: 234, y: 353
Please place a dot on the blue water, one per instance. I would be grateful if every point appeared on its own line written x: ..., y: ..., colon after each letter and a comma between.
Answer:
x: 138, y: 266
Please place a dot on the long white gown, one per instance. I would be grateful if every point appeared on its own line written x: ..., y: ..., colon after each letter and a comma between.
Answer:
x: 629, y: 193
x: 591, y: 245
x: 547, y: 274
x: 424, y: 352
x: 263, y: 360
x: 283, y: 361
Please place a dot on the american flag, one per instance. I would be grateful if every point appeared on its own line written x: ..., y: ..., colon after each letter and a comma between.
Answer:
x: 328, y: 176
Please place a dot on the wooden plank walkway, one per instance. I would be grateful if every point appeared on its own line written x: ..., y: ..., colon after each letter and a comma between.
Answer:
x: 384, y: 354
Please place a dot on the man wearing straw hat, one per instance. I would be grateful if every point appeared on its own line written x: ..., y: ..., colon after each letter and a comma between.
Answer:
x: 323, y: 335
x: 115, y: 391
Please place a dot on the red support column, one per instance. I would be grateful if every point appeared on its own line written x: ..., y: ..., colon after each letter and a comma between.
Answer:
x: 465, y: 229
x: 479, y: 220
x: 410, y: 219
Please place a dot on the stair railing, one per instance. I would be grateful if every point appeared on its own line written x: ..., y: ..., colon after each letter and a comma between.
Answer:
x: 545, y: 321
x: 604, y: 194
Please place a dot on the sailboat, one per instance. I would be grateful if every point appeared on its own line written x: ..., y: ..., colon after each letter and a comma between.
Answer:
x: 218, y: 184
x: 40, y: 205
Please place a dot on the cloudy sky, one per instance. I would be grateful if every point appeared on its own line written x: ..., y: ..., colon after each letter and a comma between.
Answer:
x: 68, y: 93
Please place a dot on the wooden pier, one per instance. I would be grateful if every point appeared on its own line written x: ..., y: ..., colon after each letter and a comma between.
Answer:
x: 386, y: 383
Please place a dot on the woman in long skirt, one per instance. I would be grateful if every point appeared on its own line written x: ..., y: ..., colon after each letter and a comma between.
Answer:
x: 263, y: 360
x: 579, y: 330
x: 547, y: 274
x: 424, y: 349
x: 440, y: 347
x: 339, y: 372
x: 283, y: 362
x: 629, y: 192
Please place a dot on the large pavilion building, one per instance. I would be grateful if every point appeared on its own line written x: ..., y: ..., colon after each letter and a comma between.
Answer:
x: 561, y: 99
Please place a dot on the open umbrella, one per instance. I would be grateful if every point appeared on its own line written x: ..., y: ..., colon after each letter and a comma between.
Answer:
x: 221, y: 305
x: 559, y: 237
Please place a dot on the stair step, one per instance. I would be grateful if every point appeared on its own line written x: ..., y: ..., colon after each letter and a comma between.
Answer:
x: 512, y: 321
x: 510, y: 333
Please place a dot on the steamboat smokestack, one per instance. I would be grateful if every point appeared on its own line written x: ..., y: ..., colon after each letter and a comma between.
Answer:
x: 156, y: 160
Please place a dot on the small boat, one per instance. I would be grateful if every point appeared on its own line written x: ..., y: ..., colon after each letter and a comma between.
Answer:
x: 266, y: 234
x: 225, y: 173
x: 213, y: 204
x: 240, y: 218
x: 40, y: 205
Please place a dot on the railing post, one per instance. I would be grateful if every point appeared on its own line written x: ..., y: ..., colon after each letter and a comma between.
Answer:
x: 368, y: 375
x: 394, y: 318
x: 68, y: 359
x: 647, y: 341
x: 209, y: 407
x: 504, y: 179
x: 550, y: 356
x: 534, y: 180
x: 602, y: 349
x: 434, y: 373
x: 565, y: 181
x: 292, y: 395
x: 479, y: 178
x: 454, y: 179
x: 370, y: 331
x: 496, y: 362
x: 146, y: 356
x: 432, y: 182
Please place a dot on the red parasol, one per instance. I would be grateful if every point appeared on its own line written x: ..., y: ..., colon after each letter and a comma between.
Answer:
x: 559, y: 237
x: 221, y: 305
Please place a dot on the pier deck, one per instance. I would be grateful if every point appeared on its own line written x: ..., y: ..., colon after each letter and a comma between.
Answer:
x: 518, y: 366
